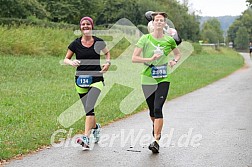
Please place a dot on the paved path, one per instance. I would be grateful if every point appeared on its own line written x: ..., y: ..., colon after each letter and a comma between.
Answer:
x: 208, y: 127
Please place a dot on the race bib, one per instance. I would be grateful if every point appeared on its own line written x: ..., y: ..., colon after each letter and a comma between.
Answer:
x: 84, y: 81
x: 159, y: 71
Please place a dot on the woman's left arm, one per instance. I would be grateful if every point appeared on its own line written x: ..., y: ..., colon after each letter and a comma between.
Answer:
x: 176, y: 58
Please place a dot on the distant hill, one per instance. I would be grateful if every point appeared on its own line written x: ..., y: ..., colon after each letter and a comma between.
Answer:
x: 225, y: 21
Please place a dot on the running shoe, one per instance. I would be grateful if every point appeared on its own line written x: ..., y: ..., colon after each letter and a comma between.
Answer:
x: 96, y: 133
x: 154, y: 147
x: 84, y: 142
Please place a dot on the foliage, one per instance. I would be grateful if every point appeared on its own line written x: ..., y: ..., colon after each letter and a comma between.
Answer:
x: 128, y: 9
x: 33, y: 21
x: 69, y: 11
x: 249, y: 2
x: 242, y: 38
x: 22, y: 9
x: 37, y: 41
x: 245, y: 20
x: 225, y: 21
x: 212, y: 32
x: 197, y: 48
x: 143, y: 29
x: 104, y: 12
x: 186, y: 24
x: 41, y: 41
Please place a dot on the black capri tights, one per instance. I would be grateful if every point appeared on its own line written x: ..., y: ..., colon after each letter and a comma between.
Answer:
x: 155, y: 96
x: 89, y: 99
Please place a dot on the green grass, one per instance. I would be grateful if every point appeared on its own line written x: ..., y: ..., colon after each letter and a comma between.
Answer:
x: 39, y: 41
x: 202, y: 69
x: 33, y: 91
x: 28, y: 40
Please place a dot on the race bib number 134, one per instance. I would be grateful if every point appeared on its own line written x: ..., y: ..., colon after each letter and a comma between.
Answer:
x: 84, y: 81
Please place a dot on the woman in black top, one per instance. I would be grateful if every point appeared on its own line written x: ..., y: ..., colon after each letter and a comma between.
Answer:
x: 89, y: 74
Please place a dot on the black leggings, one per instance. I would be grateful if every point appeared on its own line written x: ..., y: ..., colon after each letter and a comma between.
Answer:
x: 89, y: 99
x: 155, y: 96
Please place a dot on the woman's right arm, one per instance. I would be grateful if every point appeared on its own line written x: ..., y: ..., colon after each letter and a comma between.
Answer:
x: 67, y: 60
x: 136, y: 58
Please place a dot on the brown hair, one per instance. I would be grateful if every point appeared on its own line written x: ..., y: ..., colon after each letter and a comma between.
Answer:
x: 158, y: 13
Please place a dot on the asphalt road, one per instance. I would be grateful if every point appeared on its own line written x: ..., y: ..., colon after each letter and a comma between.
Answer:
x: 208, y: 127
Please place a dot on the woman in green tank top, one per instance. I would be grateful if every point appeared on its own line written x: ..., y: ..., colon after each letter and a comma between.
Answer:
x: 154, y: 78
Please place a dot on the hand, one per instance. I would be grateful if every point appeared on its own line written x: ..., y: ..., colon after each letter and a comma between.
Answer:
x: 172, y: 63
x: 75, y: 63
x: 155, y: 57
x: 105, y: 68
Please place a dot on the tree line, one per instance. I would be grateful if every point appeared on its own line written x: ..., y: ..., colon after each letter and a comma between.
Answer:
x: 240, y: 32
x: 104, y: 12
x: 107, y: 12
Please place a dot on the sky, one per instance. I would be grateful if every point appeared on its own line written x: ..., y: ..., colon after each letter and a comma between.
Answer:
x: 217, y: 7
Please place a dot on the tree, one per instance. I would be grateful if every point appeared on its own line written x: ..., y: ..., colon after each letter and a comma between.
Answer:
x: 249, y: 2
x: 245, y: 20
x: 128, y: 9
x: 212, y: 32
x: 242, y: 38
x: 104, y: 12
x: 232, y: 31
x: 22, y: 9
x: 71, y: 12
x: 186, y: 24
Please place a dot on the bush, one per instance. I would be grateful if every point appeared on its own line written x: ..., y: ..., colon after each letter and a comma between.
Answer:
x: 35, y: 22
x: 34, y: 40
x: 197, y: 48
x: 143, y: 29
x: 41, y: 41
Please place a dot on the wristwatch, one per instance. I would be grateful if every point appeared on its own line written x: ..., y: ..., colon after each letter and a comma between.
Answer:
x: 175, y: 60
x: 108, y: 62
